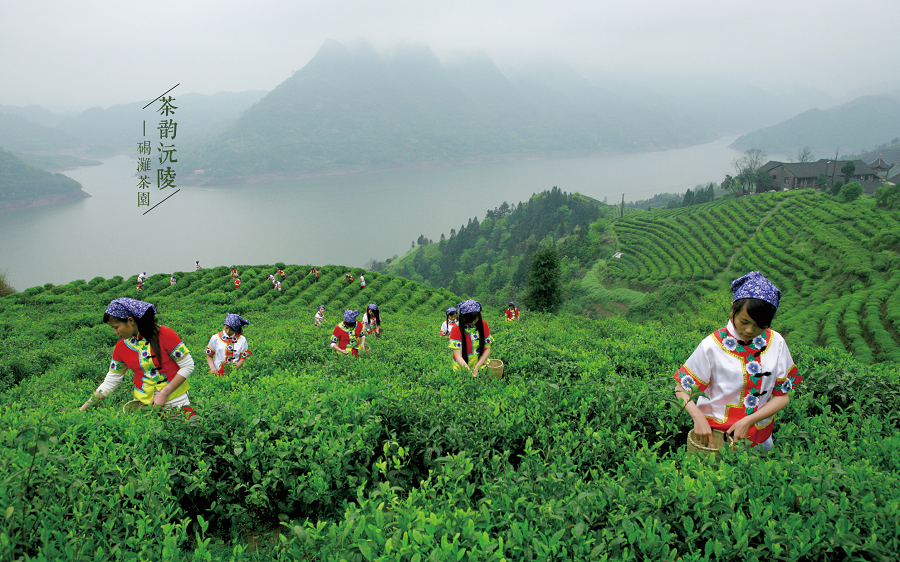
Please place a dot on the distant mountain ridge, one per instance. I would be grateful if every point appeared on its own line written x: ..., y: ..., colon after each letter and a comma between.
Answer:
x: 351, y: 108
x: 853, y: 127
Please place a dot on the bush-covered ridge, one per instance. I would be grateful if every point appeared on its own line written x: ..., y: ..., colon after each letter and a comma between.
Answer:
x: 576, y: 455
x: 838, y: 264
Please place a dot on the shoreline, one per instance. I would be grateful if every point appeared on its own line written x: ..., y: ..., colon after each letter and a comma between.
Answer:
x: 26, y: 203
x: 201, y: 180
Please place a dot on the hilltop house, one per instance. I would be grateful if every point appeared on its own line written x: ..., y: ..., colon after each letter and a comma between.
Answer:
x: 790, y: 175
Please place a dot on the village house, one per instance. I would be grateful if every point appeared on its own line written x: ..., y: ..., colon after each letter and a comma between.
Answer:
x: 791, y: 175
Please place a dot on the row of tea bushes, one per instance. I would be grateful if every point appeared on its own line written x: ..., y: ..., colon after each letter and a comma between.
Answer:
x: 576, y: 454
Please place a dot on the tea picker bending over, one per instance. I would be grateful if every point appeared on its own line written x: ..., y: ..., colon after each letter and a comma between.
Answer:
x: 348, y: 336
x: 745, y: 369
x: 320, y: 316
x: 157, y: 357
x: 228, y: 347
x: 470, y: 340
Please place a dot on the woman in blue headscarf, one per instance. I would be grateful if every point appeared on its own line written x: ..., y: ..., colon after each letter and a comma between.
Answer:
x: 744, y: 368
x: 228, y: 347
x: 160, y: 361
x: 348, y: 336
x: 470, y: 340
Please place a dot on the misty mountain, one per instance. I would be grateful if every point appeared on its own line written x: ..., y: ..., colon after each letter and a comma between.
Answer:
x: 22, y: 185
x: 725, y: 106
x: 20, y: 135
x: 351, y: 108
x: 118, y: 128
x: 853, y: 127
x: 36, y: 114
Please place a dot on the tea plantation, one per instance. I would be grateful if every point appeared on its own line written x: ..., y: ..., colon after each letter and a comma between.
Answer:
x: 576, y: 454
x: 837, y: 263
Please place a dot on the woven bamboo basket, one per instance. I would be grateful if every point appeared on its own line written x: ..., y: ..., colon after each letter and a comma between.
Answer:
x: 495, y: 366
x: 719, y: 439
x: 133, y: 406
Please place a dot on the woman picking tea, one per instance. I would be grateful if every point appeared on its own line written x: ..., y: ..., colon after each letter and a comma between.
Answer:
x: 744, y: 368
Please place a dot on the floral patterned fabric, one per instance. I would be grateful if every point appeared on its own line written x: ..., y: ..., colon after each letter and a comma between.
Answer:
x: 345, y: 337
x: 150, y: 374
x: 471, y: 333
x: 225, y: 349
x: 739, y: 377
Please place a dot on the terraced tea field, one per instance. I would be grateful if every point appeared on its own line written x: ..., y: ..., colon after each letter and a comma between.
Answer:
x: 838, y: 264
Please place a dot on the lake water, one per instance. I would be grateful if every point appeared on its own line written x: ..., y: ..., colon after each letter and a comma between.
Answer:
x: 339, y: 219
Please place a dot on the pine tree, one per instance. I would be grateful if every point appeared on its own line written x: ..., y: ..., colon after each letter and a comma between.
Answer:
x: 543, y: 281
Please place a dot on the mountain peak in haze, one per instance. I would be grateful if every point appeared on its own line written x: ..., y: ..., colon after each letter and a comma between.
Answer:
x: 351, y: 108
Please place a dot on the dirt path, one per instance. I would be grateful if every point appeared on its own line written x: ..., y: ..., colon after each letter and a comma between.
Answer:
x: 761, y: 223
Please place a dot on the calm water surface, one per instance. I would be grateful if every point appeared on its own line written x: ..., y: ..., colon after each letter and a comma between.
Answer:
x: 340, y: 219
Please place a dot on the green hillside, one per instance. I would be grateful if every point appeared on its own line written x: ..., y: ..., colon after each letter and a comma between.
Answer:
x: 490, y: 258
x: 837, y: 263
x: 20, y: 182
x: 576, y: 455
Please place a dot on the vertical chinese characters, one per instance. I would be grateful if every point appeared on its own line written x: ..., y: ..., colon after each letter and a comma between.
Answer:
x: 143, y: 166
x: 168, y: 129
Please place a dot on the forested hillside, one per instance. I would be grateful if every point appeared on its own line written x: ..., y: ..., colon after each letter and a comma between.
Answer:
x: 838, y: 263
x: 490, y: 258
x: 577, y: 454
x: 20, y: 182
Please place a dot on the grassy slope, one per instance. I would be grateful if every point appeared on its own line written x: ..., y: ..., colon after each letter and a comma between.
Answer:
x: 576, y: 455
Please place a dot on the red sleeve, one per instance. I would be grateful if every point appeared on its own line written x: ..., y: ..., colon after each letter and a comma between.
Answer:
x: 487, y: 331
x: 455, y: 334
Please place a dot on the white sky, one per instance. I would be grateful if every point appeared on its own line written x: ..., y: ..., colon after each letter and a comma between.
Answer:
x: 67, y: 55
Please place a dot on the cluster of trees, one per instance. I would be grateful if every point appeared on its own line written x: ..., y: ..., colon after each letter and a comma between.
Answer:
x: 495, y: 255
x: 888, y: 196
x: 698, y: 195
x: 749, y: 175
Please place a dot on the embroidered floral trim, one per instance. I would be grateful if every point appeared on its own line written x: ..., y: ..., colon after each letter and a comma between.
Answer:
x: 688, y: 382
x: 730, y: 343
x: 751, y: 402
x: 753, y: 368
x: 784, y: 386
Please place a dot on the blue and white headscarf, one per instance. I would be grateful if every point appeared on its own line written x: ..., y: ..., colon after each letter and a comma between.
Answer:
x: 321, y: 306
x: 126, y: 307
x: 234, y: 321
x: 350, y: 315
x: 451, y: 310
x: 372, y: 307
x: 467, y: 306
x: 754, y: 285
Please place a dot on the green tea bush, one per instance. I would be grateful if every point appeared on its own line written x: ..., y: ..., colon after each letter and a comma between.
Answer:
x: 576, y: 454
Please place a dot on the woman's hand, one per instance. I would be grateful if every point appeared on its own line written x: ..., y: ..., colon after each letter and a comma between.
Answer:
x: 702, y: 431
x: 97, y: 397
x: 159, y: 399
x: 740, y: 429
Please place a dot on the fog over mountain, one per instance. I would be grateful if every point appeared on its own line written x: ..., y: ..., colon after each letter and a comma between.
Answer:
x: 351, y: 107
x: 852, y: 127
x: 73, y: 56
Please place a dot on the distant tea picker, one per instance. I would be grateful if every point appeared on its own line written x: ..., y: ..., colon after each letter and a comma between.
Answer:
x: 158, y: 359
x: 229, y: 347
